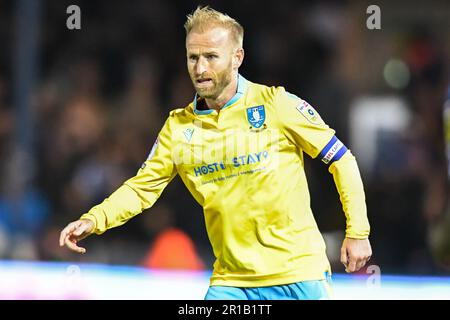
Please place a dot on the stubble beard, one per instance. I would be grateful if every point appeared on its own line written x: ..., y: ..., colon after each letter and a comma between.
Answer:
x: 223, y: 80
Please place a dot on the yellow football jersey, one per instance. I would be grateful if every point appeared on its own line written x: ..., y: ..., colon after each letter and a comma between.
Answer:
x: 244, y: 165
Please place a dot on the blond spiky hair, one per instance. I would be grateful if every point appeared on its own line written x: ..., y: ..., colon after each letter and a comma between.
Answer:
x: 205, y: 17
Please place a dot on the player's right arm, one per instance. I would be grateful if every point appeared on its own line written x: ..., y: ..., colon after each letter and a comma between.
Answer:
x: 135, y: 195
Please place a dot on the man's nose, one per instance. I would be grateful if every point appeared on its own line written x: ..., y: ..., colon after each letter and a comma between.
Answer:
x: 201, y: 66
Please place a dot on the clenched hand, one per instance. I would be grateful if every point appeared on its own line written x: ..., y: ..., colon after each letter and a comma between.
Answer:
x: 355, y: 253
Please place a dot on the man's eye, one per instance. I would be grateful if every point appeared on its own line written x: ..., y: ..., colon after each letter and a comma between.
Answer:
x: 211, y: 56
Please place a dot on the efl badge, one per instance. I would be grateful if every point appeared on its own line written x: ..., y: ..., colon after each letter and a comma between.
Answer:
x: 256, y: 116
x: 309, y: 113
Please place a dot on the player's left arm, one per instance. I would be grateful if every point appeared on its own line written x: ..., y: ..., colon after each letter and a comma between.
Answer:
x: 356, y: 249
x: 304, y: 127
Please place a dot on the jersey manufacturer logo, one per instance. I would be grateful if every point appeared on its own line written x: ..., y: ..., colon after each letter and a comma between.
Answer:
x: 188, y: 134
x: 309, y: 113
x: 256, y: 116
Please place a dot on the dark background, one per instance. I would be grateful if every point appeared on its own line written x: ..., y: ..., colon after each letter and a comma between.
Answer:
x: 80, y: 110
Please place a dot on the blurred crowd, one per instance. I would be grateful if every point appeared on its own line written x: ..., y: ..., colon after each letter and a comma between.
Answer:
x: 103, y: 93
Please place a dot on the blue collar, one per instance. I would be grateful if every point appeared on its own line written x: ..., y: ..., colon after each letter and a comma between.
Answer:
x: 241, y: 87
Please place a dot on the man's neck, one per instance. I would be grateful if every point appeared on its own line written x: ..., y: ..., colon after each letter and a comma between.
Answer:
x: 224, y: 97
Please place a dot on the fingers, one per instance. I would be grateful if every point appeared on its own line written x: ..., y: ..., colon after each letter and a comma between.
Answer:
x: 356, y: 263
x: 355, y: 253
x: 344, y: 257
x: 67, y: 231
x: 71, y: 244
x: 351, y: 265
x: 80, y: 229
x: 361, y: 263
x: 71, y: 234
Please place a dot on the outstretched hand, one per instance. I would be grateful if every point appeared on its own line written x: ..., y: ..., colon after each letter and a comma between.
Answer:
x: 355, y: 253
x: 74, y: 232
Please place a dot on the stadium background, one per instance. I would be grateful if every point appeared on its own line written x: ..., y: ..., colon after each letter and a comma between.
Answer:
x: 80, y: 110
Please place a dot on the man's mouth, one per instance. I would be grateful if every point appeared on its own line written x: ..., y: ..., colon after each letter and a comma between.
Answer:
x: 204, y: 82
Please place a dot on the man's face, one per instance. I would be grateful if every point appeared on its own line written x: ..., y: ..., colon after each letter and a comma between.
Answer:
x: 210, y: 61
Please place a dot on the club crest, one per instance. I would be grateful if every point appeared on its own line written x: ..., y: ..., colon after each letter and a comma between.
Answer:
x: 256, y: 116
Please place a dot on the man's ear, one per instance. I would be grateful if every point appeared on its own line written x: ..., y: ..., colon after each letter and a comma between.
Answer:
x: 238, y: 57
